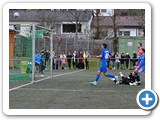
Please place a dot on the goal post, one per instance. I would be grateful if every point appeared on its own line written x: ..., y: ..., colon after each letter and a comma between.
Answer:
x: 33, y: 49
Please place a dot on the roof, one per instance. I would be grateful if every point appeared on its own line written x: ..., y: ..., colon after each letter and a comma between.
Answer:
x: 125, y: 21
x: 49, y: 15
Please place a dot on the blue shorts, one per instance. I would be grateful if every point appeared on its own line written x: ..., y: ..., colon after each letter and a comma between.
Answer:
x: 142, y: 67
x: 103, y: 69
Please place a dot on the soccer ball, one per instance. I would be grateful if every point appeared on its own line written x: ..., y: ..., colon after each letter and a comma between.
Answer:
x: 16, y: 14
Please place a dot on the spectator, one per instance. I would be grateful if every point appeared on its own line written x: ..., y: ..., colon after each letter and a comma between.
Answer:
x: 134, y: 56
x: 69, y: 57
x: 87, y: 59
x: 117, y: 57
x: 54, y: 60
x: 113, y: 60
x: 74, y: 59
x: 47, y: 55
x: 108, y: 60
x: 84, y: 59
x: 80, y: 64
x: 63, y: 60
x: 122, y: 60
x: 43, y: 66
x: 127, y: 60
x: 42, y: 53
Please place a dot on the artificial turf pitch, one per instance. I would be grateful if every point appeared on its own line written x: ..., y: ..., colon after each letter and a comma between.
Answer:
x: 73, y: 91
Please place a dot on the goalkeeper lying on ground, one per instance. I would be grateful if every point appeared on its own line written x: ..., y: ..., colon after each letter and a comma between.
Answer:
x: 132, y: 79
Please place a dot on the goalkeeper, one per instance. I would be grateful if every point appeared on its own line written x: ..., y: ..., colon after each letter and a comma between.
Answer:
x: 132, y: 79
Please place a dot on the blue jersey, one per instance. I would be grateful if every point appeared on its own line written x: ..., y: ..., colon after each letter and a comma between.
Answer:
x: 105, y: 54
x: 141, y: 61
x: 38, y: 58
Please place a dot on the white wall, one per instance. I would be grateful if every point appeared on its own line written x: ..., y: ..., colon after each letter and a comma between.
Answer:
x: 83, y: 27
x: 109, y: 12
x: 132, y: 31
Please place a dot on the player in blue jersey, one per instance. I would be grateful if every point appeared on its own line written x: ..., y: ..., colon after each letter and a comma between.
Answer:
x: 104, y: 55
x: 140, y: 65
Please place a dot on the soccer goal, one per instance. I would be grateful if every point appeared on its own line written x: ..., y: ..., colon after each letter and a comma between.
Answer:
x: 42, y: 57
x: 30, y: 53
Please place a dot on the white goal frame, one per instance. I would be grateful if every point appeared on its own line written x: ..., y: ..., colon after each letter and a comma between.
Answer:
x: 33, y: 49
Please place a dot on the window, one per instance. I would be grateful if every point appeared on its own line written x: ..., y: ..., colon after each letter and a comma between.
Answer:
x: 126, y: 33
x: 71, y: 28
x: 103, y: 10
x: 120, y: 33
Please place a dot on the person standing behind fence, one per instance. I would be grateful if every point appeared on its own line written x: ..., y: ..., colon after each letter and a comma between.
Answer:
x: 63, y: 60
x: 117, y: 57
x: 42, y: 53
x: 87, y: 59
x: 84, y: 59
x: 54, y: 60
x: 69, y: 58
x: 134, y: 56
x: 74, y: 59
x: 80, y: 64
x: 113, y: 60
x: 47, y: 55
x: 127, y: 60
x: 108, y: 60
x: 122, y: 60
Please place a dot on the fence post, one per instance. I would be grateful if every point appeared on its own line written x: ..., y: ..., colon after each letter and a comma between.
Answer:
x: 129, y: 63
x: 12, y: 65
x: 97, y: 63
x: 66, y: 47
x: 51, y: 49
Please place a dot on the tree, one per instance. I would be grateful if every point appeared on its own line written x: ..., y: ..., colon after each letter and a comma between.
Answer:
x: 139, y: 15
x: 99, y: 31
x: 48, y: 18
x: 96, y: 24
x: 77, y: 16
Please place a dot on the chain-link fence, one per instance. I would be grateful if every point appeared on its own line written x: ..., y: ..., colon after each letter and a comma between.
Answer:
x: 62, y: 43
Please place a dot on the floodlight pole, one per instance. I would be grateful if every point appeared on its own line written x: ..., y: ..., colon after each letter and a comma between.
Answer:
x: 33, y: 52
x: 51, y: 53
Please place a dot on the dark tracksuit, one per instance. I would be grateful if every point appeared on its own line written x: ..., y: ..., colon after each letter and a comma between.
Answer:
x: 129, y: 79
x: 127, y: 61
x: 69, y: 58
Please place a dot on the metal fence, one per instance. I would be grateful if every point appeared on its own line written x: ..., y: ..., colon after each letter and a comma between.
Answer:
x: 65, y: 44
x: 93, y: 63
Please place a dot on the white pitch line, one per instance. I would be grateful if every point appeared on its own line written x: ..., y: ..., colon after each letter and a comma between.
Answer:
x: 43, y: 79
x: 70, y: 90
x: 66, y: 90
